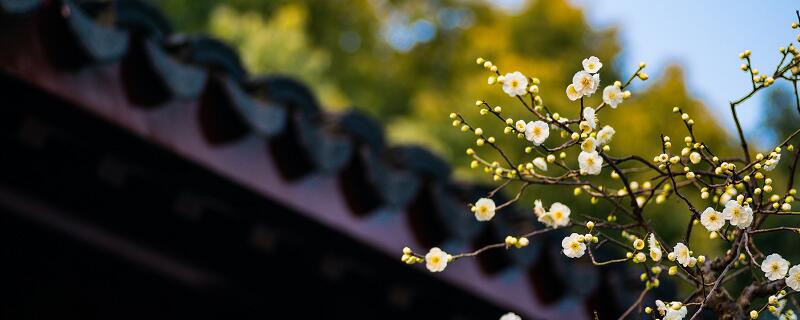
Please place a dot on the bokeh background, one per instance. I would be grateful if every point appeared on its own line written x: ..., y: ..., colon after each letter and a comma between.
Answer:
x: 179, y: 207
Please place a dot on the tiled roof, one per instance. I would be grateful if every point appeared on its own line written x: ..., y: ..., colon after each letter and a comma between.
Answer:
x: 191, y: 94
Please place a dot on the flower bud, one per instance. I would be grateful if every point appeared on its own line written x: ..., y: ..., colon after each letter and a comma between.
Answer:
x: 510, y: 241
x: 673, y: 270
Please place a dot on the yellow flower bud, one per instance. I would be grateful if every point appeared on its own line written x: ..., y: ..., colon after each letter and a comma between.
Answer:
x: 673, y: 270
x: 510, y: 241
x: 772, y: 300
x: 655, y: 269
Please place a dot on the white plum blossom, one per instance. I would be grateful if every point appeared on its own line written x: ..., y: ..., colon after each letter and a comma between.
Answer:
x: 673, y: 311
x: 515, y: 84
x: 520, y: 126
x: 661, y: 307
x: 612, y: 96
x: 673, y: 314
x: 590, y: 162
x: 484, y: 209
x: 682, y: 254
x: 739, y: 216
x: 537, y: 132
x: 557, y: 216
x: 436, y: 260
x: 559, y: 213
x: 774, y: 267
x: 589, y: 145
x: 540, y: 163
x: 793, y: 280
x: 510, y: 316
x: 772, y: 162
x: 695, y: 157
x: 712, y: 220
x: 585, y: 82
x: 655, y: 248
x: 605, y: 135
x: 573, y: 246
x: 592, y: 64
x: 590, y: 117
x: 573, y: 94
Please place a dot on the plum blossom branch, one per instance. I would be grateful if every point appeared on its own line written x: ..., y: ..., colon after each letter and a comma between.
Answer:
x: 737, y: 192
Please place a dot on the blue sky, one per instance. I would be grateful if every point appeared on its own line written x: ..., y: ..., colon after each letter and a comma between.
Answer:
x: 705, y: 37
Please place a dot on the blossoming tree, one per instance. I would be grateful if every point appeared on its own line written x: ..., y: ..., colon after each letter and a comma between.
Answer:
x: 736, y: 194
